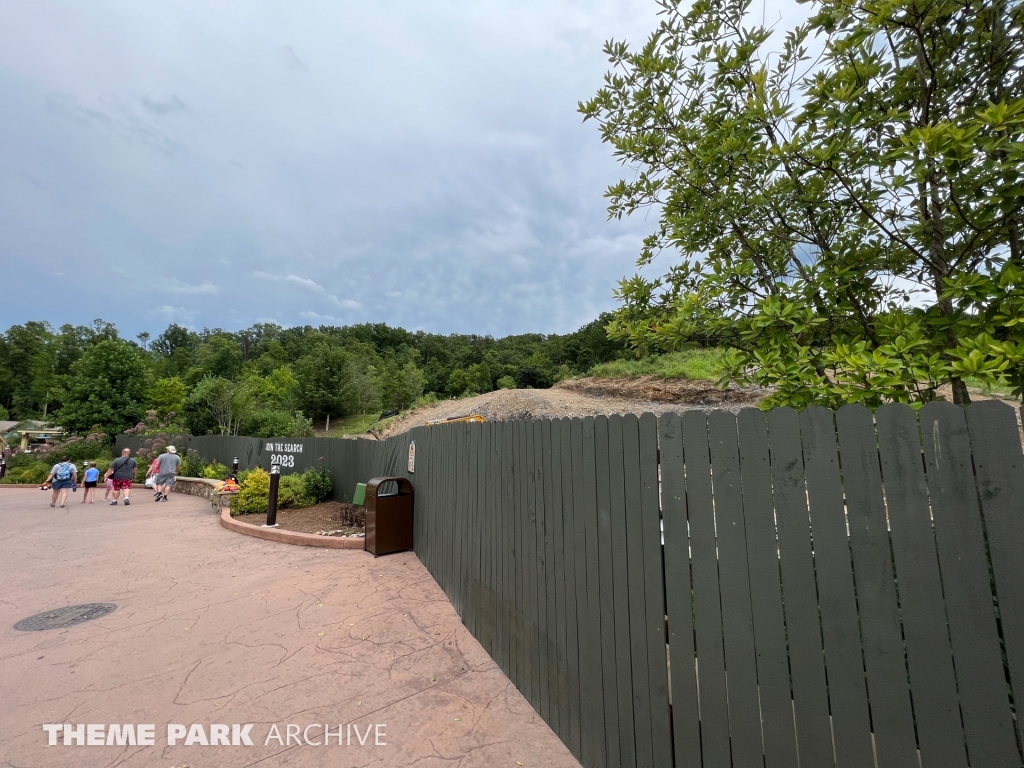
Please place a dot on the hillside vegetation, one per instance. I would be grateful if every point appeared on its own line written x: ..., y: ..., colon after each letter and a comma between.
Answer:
x: 267, y: 380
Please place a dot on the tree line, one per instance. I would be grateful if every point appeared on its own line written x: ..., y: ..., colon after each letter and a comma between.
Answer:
x: 266, y: 380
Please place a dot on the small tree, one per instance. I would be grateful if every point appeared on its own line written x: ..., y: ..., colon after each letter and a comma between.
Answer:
x: 809, y: 203
x: 167, y: 395
x: 325, y: 382
x: 211, y: 405
x: 400, y: 385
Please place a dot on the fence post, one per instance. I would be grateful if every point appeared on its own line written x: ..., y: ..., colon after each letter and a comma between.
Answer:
x: 275, y: 479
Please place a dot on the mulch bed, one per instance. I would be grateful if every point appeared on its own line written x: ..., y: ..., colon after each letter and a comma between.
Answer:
x: 335, y: 517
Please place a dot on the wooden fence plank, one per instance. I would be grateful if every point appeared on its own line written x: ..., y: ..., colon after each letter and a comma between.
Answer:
x: 556, y: 580
x: 963, y: 564
x: 685, y: 715
x: 766, y: 591
x: 734, y: 585
x: 810, y: 697
x: 463, y: 491
x: 605, y: 571
x: 569, y: 537
x: 485, y: 511
x: 478, y: 483
x: 440, y: 569
x: 714, y: 704
x: 654, y: 576
x: 532, y: 609
x: 620, y: 592
x: 996, y: 446
x: 521, y: 668
x: 889, y: 695
x: 929, y: 656
x: 638, y: 623
x: 507, y: 549
x: 494, y: 542
x: 591, y: 660
x: 837, y: 600
x: 461, y: 477
x: 552, y: 640
x: 447, y: 516
x: 476, y: 507
x: 540, y: 573
x: 591, y: 683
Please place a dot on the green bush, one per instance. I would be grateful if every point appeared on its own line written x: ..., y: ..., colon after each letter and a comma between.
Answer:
x: 318, y: 482
x: 215, y: 471
x: 34, y: 473
x: 32, y: 468
x: 506, y: 382
x: 254, y: 493
x: 291, y: 493
x: 83, y: 450
x: 271, y: 423
x: 192, y: 464
x: 22, y: 460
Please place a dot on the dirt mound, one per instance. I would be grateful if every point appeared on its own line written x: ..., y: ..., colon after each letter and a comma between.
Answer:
x: 653, y: 389
x: 583, y: 397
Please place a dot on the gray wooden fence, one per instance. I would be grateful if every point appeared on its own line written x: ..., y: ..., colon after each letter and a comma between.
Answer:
x: 781, y: 589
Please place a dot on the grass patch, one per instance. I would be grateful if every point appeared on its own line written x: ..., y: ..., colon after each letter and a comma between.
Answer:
x: 698, y: 364
x: 997, y: 390
x: 355, y: 425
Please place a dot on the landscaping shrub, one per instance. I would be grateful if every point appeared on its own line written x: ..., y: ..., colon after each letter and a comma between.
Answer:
x: 252, y: 498
x: 34, y: 473
x: 192, y: 464
x: 318, y: 482
x: 215, y: 471
x: 31, y: 468
x: 291, y: 493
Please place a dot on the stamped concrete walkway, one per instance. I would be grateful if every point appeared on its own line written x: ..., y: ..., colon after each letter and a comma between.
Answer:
x: 217, y: 628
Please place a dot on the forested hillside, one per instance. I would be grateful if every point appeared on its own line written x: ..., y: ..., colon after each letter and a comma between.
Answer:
x: 267, y: 380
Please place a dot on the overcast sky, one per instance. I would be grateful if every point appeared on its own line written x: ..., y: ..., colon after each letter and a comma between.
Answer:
x: 226, y: 162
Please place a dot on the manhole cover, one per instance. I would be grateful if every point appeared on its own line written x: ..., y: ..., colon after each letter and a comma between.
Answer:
x: 59, y: 618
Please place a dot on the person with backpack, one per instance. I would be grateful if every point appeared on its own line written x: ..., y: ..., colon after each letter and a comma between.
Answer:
x: 63, y: 477
x: 122, y: 472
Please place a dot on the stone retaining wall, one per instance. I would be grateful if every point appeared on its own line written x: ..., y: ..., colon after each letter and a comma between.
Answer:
x: 200, y: 486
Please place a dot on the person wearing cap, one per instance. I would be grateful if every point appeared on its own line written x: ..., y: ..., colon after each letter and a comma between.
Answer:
x: 169, y: 462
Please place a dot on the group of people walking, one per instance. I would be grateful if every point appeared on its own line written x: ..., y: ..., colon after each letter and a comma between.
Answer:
x: 118, y: 478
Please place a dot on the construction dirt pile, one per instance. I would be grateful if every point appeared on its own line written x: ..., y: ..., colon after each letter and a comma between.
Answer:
x: 584, y: 397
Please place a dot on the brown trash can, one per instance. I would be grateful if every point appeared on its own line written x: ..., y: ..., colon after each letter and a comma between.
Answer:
x: 388, y: 517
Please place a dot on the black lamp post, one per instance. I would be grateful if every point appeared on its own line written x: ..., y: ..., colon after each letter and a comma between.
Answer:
x: 275, y: 480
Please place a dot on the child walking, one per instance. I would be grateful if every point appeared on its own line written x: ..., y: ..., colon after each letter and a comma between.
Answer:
x: 92, y: 475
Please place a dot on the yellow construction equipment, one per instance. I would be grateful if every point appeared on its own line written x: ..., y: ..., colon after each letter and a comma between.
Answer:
x: 473, y: 419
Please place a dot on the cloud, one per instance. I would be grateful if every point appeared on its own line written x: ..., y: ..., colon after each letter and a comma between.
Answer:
x: 193, y: 289
x: 161, y: 108
x: 311, y: 286
x: 291, y: 60
x: 427, y: 169
x: 170, y: 314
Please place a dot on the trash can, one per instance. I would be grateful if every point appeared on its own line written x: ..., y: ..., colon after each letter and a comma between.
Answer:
x: 388, y: 517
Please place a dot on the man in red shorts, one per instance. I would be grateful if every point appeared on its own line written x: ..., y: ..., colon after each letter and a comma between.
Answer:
x: 122, y: 473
